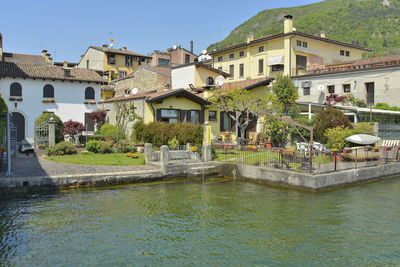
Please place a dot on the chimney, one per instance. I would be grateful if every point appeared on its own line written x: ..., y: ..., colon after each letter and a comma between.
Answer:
x: 105, y: 45
x: 250, y: 37
x: 44, y: 53
x: 48, y: 57
x: 323, y: 34
x: 288, y: 24
x: 191, y: 46
x: 67, y: 71
x: 124, y: 48
x: 111, y: 42
x: 51, y: 60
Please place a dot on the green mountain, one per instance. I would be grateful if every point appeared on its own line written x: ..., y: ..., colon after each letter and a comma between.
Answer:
x: 374, y: 24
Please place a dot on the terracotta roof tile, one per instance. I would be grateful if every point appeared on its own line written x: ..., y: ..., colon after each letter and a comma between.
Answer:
x: 8, y: 69
x: 118, y: 51
x: 368, y: 61
x: 25, y: 59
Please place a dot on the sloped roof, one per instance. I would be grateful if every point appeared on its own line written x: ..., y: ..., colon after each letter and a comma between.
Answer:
x: 118, y: 51
x: 199, y: 64
x: 8, y: 69
x: 25, y: 58
x: 367, y: 61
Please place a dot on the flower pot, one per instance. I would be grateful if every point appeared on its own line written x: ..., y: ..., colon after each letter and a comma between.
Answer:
x: 347, y: 150
x: 228, y: 147
x: 276, y: 149
x: 337, y: 156
x: 367, y: 148
x: 268, y: 144
x: 251, y: 148
x: 387, y: 148
x: 288, y: 152
x: 375, y: 149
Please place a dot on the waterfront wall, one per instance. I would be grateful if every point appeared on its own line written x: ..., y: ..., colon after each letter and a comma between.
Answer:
x: 308, y: 181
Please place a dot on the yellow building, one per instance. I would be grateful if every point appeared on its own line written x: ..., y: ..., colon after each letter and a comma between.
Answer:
x: 289, y: 53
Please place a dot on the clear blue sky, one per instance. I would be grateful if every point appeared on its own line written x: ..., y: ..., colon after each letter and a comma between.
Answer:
x: 67, y: 28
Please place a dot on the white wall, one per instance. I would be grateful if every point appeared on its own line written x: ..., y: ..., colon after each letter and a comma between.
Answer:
x: 386, y: 81
x: 182, y: 77
x: 96, y: 60
x: 69, y: 96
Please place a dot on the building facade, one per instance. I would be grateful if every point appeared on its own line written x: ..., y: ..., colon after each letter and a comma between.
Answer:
x: 173, y: 57
x: 289, y: 53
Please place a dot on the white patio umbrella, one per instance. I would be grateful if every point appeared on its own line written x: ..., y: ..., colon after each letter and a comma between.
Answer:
x: 363, y: 139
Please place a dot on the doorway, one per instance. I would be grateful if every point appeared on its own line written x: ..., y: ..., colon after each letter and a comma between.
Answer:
x: 19, y: 121
x: 370, y: 92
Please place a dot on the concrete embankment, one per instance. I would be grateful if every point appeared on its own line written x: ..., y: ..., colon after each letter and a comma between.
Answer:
x: 308, y: 181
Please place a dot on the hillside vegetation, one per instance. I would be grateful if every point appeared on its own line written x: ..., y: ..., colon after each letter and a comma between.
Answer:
x: 374, y: 24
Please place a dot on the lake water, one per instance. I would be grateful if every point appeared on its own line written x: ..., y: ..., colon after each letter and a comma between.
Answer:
x: 216, y: 223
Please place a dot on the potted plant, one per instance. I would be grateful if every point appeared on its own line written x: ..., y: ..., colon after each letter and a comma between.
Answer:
x: 335, y: 155
x: 12, y: 99
x: 276, y: 149
x: 42, y: 146
x: 375, y: 149
x: 251, y: 148
x: 368, y: 148
x: 19, y: 99
x: 387, y: 148
x: 288, y: 152
x: 52, y: 100
x: 347, y: 150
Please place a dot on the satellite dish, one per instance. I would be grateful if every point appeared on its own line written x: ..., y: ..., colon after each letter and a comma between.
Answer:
x: 219, y: 80
x: 294, y: 29
x: 204, y: 52
x: 174, y: 47
x: 321, y: 88
x: 134, y: 91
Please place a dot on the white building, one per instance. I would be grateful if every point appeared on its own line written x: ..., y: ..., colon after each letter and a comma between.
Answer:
x: 32, y: 89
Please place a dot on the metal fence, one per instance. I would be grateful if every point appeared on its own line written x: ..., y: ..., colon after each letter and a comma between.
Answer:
x: 299, y: 159
x: 41, y: 134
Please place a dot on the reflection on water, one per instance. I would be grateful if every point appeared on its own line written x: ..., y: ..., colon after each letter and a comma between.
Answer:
x: 218, y: 223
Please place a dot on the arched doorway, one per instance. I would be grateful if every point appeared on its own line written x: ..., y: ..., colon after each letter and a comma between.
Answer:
x: 19, y: 121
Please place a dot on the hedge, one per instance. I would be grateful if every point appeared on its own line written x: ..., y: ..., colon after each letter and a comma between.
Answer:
x: 45, y: 117
x: 82, y: 138
x: 159, y: 133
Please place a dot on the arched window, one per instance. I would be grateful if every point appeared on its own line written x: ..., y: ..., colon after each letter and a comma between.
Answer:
x: 89, y: 93
x: 210, y: 81
x: 15, y: 89
x: 48, y: 91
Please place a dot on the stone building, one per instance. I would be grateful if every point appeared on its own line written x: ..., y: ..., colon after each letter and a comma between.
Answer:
x: 144, y: 79
x: 173, y: 57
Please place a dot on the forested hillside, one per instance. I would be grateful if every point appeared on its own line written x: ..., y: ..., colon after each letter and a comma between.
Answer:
x: 374, y: 24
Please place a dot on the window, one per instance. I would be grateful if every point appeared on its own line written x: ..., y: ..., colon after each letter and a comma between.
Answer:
x: 277, y: 67
x: 347, y: 53
x: 346, y: 88
x: 168, y: 115
x: 15, y: 89
x: 241, y: 54
x: 48, y: 90
x: 220, y: 69
x: 370, y: 90
x: 89, y: 93
x: 226, y: 122
x: 187, y: 59
x: 210, y: 81
x: 87, y: 63
x: 212, y: 115
x: 194, y: 116
x: 128, y: 61
x: 220, y: 58
x: 89, y: 123
x: 241, y: 70
x: 305, y: 44
x: 261, y: 49
x: 331, y: 89
x: 121, y: 74
x: 111, y: 59
x: 260, y: 66
x: 342, y: 52
x: 163, y: 62
x: 231, y: 56
x: 231, y: 70
x: 306, y: 91
x: 298, y: 42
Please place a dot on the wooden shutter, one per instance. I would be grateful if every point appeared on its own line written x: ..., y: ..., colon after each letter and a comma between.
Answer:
x: 158, y: 118
x: 221, y: 121
x: 201, y: 117
x: 232, y: 123
x: 188, y: 117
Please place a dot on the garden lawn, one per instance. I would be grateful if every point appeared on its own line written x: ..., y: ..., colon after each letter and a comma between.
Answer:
x: 113, y: 159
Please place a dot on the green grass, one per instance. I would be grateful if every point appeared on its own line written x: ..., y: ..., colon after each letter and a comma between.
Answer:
x: 114, y: 159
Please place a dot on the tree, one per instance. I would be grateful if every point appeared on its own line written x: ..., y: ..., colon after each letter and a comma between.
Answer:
x: 44, y: 119
x: 327, y: 119
x: 241, y: 106
x: 98, y: 117
x: 332, y: 99
x: 285, y: 92
x: 125, y: 113
x: 73, y: 128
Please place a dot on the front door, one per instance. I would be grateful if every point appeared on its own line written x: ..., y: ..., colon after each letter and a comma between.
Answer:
x: 370, y: 90
x: 19, y: 121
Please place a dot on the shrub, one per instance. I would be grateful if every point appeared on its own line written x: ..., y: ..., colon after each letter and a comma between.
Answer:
x: 108, y: 130
x: 125, y: 146
x: 336, y: 137
x: 98, y: 117
x: 82, y: 138
x: 45, y: 117
x: 277, y: 130
x: 159, y: 133
x: 131, y: 155
x: 62, y: 148
x: 173, y: 144
x: 327, y: 119
x: 93, y: 146
x: 73, y: 128
x: 363, y: 127
x: 105, y: 147
x: 304, y: 132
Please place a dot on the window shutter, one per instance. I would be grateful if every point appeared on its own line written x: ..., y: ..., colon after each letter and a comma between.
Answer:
x: 182, y: 116
x: 158, y: 115
x: 188, y: 117
x: 232, y: 123
x: 201, y: 119
x: 221, y: 121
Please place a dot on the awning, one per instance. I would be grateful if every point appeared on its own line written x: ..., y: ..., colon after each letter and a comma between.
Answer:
x: 275, y: 61
x: 363, y: 139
